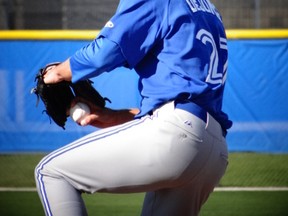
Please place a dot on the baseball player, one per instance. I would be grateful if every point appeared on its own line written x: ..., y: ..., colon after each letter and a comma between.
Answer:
x: 173, y: 147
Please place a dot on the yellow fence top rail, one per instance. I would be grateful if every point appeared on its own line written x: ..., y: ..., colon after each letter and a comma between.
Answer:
x: 91, y: 34
x: 48, y: 34
x: 256, y: 33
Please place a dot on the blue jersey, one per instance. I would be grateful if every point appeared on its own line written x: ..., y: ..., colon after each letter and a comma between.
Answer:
x: 177, y: 47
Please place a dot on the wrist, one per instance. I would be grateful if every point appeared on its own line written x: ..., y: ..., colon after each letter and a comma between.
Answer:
x: 63, y: 71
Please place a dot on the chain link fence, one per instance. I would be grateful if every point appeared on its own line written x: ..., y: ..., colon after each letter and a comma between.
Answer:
x: 17, y: 170
x: 253, y: 14
x: 93, y: 14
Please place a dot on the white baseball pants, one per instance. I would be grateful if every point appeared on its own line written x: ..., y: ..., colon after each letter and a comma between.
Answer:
x: 172, y: 155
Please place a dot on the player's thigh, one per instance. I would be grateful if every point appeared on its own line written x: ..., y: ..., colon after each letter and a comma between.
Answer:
x: 132, y: 157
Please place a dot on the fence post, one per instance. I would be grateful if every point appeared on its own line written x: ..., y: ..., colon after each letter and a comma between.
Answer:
x: 257, y: 13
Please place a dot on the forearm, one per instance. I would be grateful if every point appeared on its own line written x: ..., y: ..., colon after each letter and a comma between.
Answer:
x: 106, y: 117
x: 125, y: 115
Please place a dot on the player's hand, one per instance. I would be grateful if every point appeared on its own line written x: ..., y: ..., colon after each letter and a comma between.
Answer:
x: 105, y: 117
x: 55, y: 74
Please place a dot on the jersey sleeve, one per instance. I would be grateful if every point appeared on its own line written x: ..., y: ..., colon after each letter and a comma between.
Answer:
x: 136, y: 26
x: 101, y: 55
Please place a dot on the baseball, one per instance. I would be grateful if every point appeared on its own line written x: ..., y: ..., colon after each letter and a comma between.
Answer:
x: 79, y: 111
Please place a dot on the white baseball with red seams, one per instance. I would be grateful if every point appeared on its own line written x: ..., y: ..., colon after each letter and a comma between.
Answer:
x: 79, y: 111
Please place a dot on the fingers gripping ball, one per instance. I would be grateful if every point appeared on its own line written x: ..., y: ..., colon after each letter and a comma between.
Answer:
x: 79, y: 112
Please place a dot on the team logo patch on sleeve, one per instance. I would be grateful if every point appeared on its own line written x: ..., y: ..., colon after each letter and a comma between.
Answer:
x: 109, y: 24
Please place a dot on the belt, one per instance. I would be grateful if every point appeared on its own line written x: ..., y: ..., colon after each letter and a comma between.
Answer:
x: 192, y: 108
x: 195, y: 110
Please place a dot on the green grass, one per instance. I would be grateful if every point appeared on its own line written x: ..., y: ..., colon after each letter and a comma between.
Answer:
x: 18, y: 170
x: 250, y: 170
x: 28, y: 204
x: 114, y: 204
x: 220, y: 203
x: 245, y: 169
x: 246, y: 204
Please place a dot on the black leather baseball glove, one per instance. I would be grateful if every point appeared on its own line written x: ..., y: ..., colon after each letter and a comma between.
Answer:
x: 57, y: 97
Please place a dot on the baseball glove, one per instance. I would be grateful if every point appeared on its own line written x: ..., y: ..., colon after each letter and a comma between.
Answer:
x: 57, y: 97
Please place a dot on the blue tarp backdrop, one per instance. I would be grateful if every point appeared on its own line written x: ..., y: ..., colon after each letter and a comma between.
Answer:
x: 255, y: 98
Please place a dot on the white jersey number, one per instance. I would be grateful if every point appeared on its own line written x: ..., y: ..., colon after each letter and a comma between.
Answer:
x: 214, y: 76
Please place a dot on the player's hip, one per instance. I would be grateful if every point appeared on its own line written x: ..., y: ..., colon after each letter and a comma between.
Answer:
x: 191, y: 118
